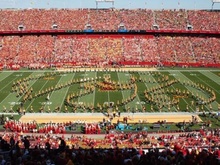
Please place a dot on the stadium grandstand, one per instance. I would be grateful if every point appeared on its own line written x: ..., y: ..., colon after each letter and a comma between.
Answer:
x: 95, y: 86
x: 41, y: 41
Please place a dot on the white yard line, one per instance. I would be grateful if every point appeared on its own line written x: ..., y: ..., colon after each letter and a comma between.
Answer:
x: 4, y: 77
x: 187, y: 87
x: 14, y: 94
x: 122, y: 90
x: 212, y: 77
x: 7, y: 83
x: 94, y: 93
x: 34, y: 99
x: 53, y: 91
x: 158, y: 84
x: 79, y: 85
x: 66, y: 93
x: 137, y: 97
x: 207, y: 84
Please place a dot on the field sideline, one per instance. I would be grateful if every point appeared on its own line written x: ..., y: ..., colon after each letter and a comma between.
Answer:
x: 75, y: 81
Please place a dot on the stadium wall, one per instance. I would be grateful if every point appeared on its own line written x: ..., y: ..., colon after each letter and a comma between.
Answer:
x: 131, y: 32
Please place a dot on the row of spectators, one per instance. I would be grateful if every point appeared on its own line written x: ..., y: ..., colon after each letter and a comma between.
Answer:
x: 33, y: 51
x: 114, y: 139
x: 18, y: 126
x: 33, y: 127
x: 50, y: 128
x: 135, y: 148
x: 108, y: 19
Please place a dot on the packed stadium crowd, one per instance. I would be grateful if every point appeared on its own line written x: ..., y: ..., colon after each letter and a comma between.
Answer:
x: 114, y: 148
x: 43, y: 51
x: 108, y: 19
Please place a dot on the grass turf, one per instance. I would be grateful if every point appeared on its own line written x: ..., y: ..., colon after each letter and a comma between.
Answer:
x: 145, y: 81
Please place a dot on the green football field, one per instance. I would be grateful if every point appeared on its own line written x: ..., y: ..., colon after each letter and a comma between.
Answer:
x: 168, y: 90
